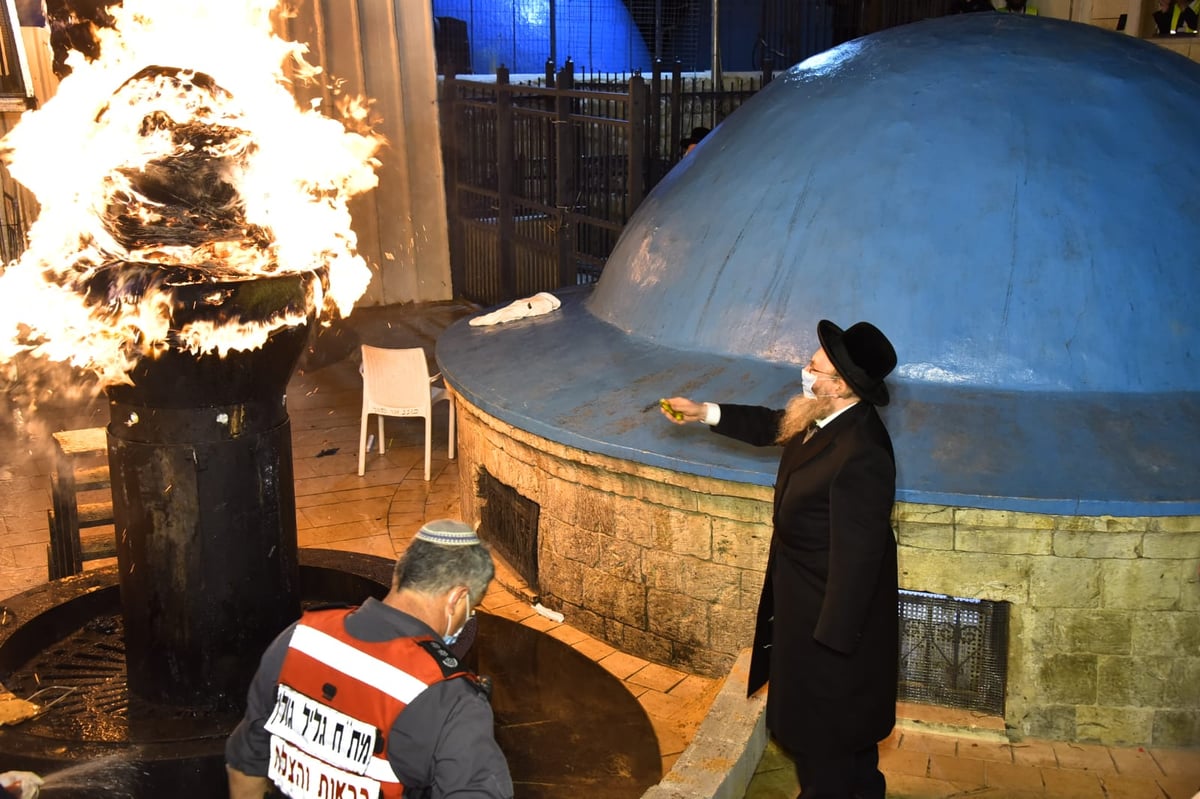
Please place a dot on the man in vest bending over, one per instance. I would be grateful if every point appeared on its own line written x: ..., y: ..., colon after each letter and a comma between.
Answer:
x: 369, y: 701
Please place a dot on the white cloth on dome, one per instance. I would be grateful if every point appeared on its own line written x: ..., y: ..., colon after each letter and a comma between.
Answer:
x: 541, y: 303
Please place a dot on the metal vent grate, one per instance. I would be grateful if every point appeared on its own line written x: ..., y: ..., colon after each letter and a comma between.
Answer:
x: 509, y: 522
x: 953, y: 651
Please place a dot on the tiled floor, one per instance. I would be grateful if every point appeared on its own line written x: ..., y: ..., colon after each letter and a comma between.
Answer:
x: 379, y: 512
x: 921, y: 765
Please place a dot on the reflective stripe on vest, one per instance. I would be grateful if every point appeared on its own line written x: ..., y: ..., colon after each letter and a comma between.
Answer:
x: 1175, y: 19
x: 337, y: 700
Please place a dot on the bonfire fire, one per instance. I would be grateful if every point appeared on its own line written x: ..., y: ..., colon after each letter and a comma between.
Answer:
x: 179, y: 157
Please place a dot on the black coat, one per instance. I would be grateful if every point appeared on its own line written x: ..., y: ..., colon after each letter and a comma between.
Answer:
x: 827, y: 635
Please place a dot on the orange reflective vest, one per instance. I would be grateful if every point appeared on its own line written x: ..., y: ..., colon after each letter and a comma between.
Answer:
x: 335, y: 705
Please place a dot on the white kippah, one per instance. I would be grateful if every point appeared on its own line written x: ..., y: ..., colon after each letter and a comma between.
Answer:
x: 448, y: 532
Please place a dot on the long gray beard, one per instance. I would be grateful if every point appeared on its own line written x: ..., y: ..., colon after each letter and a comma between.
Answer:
x: 802, y: 413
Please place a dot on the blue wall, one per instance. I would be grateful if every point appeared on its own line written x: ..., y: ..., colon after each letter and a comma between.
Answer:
x: 599, y: 35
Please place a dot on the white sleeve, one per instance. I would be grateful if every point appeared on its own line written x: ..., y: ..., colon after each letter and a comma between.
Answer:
x: 712, y: 414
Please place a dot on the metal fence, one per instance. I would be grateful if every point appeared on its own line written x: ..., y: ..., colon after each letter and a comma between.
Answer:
x: 541, y: 178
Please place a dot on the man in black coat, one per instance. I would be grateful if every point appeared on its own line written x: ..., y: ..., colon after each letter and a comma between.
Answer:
x: 827, y: 633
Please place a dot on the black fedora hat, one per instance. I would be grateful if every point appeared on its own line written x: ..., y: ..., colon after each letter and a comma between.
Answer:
x: 862, y: 355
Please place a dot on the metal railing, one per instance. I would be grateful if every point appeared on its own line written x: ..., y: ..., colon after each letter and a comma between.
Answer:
x: 542, y: 177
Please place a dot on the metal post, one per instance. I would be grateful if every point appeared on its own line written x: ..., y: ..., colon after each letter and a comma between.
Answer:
x: 654, y: 137
x: 564, y: 188
x: 716, y: 45
x: 553, y: 30
x: 676, y: 110
x: 505, y: 158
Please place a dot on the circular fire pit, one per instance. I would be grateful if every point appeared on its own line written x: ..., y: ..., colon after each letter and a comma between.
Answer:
x: 565, y: 724
x: 69, y: 633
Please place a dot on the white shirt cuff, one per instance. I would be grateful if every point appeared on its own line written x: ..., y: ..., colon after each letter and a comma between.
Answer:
x: 712, y: 414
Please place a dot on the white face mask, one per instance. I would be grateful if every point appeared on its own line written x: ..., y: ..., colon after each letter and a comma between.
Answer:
x: 809, y: 380
x: 450, y: 638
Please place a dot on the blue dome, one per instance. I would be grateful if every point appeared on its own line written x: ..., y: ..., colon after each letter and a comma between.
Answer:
x: 1009, y: 198
x: 1012, y: 199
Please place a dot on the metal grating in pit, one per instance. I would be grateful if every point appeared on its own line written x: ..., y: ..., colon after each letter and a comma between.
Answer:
x: 86, y: 673
x: 953, y: 651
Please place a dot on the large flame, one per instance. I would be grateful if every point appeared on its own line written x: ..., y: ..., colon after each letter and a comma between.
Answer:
x: 179, y: 156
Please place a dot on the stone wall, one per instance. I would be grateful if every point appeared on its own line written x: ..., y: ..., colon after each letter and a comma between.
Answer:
x: 1104, y: 625
x: 1104, y: 642
x: 662, y: 565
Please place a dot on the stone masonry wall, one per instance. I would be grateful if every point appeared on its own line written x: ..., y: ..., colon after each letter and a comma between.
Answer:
x: 662, y: 565
x: 1105, y: 618
x: 1104, y: 641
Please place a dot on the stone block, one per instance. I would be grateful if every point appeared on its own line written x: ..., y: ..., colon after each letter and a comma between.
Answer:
x: 570, y: 542
x: 1005, y: 519
x: 1174, y: 524
x: 740, y: 544
x: 678, y: 617
x: 731, y: 629
x: 1003, y: 542
x: 751, y: 588
x: 616, y: 599
x: 1050, y: 722
x: 1030, y: 635
x: 655, y: 492
x: 699, y: 579
x: 628, y: 638
x: 1064, y: 583
x: 560, y: 576
x: 1183, y: 688
x: 747, y: 510
x: 1098, y: 632
x: 1068, y: 679
x: 1176, y: 728
x: 1190, y: 588
x: 667, y: 529
x: 1076, y: 544
x: 621, y: 559
x: 973, y: 575
x: 1113, y: 726
x: 919, y: 535
x: 557, y: 500
x: 661, y: 570
x: 595, y: 510
x: 1133, y: 681
x: 1185, y: 546
x: 714, y: 582
x: 910, y: 512
x: 1140, y: 584
x: 581, y: 618
x: 1166, y: 633
x: 1102, y: 524
x: 698, y: 660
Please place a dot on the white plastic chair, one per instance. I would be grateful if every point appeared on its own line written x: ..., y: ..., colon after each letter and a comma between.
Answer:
x: 396, y: 382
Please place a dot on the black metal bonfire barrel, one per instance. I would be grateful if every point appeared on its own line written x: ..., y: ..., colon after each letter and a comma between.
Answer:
x: 200, y: 457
